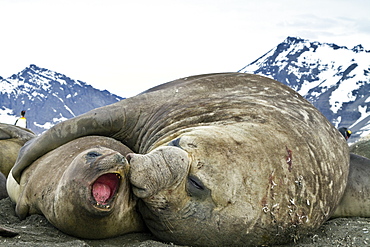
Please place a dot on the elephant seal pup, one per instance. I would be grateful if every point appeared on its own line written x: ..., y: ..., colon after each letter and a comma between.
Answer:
x: 12, y: 138
x: 221, y: 159
x: 81, y: 188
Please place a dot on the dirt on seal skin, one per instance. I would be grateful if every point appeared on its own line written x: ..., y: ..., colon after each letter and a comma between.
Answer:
x: 35, y: 230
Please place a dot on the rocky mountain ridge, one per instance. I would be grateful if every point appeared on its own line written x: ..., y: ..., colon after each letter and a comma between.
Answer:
x: 47, y: 97
x: 335, y: 79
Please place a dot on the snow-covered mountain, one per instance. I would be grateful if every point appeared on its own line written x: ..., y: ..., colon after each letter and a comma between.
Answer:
x: 47, y: 97
x: 335, y: 79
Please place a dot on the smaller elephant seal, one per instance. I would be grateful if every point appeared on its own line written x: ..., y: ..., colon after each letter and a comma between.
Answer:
x: 81, y: 188
x: 12, y: 138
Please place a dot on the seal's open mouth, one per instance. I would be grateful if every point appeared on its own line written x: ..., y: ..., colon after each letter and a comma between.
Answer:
x: 105, y: 188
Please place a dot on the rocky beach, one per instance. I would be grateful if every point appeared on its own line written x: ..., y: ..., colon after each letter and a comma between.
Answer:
x: 35, y: 230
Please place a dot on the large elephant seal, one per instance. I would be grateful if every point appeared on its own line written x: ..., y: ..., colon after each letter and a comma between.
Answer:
x: 221, y: 159
x: 82, y: 188
x: 12, y: 138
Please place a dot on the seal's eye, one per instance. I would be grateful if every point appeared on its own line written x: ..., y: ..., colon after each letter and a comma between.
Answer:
x: 196, y: 188
x: 93, y: 154
x: 195, y: 182
x: 175, y: 143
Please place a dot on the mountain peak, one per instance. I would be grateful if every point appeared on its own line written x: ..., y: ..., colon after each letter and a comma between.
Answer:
x: 36, y: 69
x: 59, y: 97
x: 360, y: 48
x: 293, y: 40
x: 335, y: 79
x: 307, y: 43
x: 32, y: 67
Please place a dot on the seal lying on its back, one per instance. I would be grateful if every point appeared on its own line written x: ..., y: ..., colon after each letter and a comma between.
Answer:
x: 81, y: 188
x: 223, y: 159
x: 12, y: 138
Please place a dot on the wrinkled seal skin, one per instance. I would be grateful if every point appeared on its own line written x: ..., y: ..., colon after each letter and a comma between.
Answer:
x: 60, y: 184
x: 221, y: 159
x: 12, y: 138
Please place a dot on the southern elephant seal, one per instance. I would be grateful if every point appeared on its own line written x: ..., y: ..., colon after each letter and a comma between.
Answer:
x: 12, y: 138
x: 358, y: 186
x: 221, y: 159
x: 82, y: 188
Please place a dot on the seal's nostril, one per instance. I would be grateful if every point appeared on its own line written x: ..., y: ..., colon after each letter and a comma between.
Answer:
x: 129, y: 156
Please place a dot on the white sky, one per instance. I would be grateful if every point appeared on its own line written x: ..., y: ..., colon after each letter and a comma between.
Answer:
x: 129, y: 46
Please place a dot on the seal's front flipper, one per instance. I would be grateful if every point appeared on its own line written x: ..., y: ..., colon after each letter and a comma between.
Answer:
x: 356, y: 198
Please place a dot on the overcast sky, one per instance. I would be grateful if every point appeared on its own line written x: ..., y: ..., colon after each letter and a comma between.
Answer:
x: 129, y: 46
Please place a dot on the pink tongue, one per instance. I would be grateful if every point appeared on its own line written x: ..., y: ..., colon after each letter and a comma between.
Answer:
x: 101, y: 192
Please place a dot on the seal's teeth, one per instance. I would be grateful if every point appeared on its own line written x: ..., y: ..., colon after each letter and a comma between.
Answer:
x: 118, y: 176
x: 102, y: 206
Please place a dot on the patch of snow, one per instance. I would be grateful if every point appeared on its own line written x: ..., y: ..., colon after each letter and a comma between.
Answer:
x: 69, y: 109
x: 56, y: 96
x: 364, y: 114
x: 58, y: 120
x: 6, y: 87
x: 7, y: 116
x: 337, y: 121
x: 45, y: 126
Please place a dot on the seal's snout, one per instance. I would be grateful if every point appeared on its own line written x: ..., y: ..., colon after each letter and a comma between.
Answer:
x: 129, y: 157
x: 119, y: 159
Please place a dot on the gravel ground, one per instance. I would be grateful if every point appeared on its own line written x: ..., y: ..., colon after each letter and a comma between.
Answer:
x: 35, y: 230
